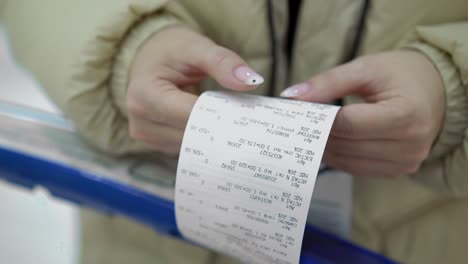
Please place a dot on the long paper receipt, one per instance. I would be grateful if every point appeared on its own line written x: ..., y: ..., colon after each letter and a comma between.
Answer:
x: 246, y: 172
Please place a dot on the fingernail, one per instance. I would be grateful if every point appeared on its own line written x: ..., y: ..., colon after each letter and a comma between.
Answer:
x: 296, y: 90
x: 247, y: 75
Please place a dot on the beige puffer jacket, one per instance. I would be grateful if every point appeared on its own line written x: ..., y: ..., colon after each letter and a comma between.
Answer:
x: 80, y: 51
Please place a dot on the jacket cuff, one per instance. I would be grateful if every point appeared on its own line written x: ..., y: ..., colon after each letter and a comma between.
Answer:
x: 456, y: 103
x: 128, y: 49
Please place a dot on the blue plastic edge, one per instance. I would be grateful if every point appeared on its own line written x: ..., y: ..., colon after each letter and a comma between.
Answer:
x: 109, y: 196
x: 44, y: 117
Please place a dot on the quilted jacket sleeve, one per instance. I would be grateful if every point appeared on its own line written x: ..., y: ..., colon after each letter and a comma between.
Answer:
x: 446, y: 46
x: 80, y: 52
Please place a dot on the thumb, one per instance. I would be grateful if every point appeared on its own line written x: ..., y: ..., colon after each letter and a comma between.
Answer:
x: 225, y: 66
x: 349, y: 78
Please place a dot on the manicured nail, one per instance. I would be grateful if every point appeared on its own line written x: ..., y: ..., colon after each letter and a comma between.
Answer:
x: 247, y: 75
x: 296, y: 90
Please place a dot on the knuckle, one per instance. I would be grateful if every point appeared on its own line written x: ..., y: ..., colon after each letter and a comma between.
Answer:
x: 135, y: 108
x: 163, y: 100
x: 425, y: 130
x: 155, y: 145
x: 412, y: 167
x: 139, y: 134
x: 406, y: 123
x: 416, y: 155
x: 421, y: 154
x: 331, y: 77
x: 412, y: 124
x: 362, y: 64
x: 160, y: 96
x: 417, y: 131
x: 168, y: 149
x: 161, y: 113
x: 163, y: 107
x: 135, y: 132
x: 366, y: 66
x: 404, y: 117
x: 344, y: 126
x: 220, y: 55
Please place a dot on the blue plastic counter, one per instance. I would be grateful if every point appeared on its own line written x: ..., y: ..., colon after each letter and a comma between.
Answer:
x: 108, y: 196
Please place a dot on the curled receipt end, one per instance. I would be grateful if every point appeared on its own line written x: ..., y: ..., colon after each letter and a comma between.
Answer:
x: 246, y: 173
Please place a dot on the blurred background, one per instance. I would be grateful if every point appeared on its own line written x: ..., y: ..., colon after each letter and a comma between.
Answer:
x: 34, y: 228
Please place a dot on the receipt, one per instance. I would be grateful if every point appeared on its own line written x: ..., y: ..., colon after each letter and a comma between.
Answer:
x: 246, y: 173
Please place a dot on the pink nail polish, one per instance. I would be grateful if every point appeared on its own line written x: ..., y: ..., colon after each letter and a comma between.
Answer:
x: 296, y: 90
x: 247, y: 75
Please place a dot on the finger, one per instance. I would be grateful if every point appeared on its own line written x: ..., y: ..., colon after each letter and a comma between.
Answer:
x: 225, y: 66
x: 389, y: 150
x: 349, y: 78
x: 162, y: 138
x: 365, y: 167
x: 162, y: 103
x: 368, y: 121
x: 378, y: 118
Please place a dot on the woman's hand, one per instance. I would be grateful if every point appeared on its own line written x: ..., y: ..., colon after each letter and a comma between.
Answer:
x: 162, y: 83
x: 392, y: 133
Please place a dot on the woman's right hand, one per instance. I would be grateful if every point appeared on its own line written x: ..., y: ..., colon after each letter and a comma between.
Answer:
x: 162, y: 83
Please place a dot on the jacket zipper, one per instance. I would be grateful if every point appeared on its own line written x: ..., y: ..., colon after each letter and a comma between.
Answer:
x: 359, y: 33
x: 355, y: 45
x: 274, y: 58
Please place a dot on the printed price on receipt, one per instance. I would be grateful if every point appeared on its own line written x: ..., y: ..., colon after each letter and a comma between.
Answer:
x: 246, y: 173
